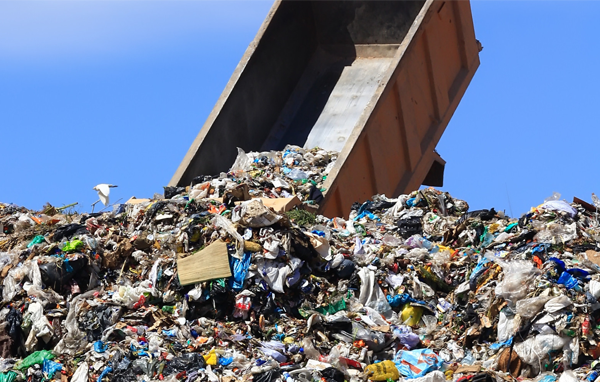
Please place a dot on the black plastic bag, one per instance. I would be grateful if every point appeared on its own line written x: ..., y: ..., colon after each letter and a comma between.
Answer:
x: 345, y: 269
x: 315, y: 194
x: 410, y: 226
x: 171, y: 191
x: 187, y: 362
x: 331, y: 374
x: 68, y: 230
x: 267, y: 376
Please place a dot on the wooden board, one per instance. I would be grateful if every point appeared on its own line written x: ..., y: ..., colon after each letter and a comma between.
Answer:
x: 208, y: 264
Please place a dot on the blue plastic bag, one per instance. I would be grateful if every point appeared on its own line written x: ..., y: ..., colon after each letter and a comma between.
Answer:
x: 99, y: 347
x: 417, y: 363
x: 239, y: 270
x: 104, y: 373
x: 51, y: 367
x: 567, y: 280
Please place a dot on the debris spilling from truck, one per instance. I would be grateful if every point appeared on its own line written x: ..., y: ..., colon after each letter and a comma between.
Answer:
x: 235, y: 278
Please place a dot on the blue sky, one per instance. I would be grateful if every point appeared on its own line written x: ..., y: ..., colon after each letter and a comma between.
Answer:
x: 115, y: 91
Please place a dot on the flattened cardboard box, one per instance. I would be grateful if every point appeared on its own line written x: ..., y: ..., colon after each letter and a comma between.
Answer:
x: 208, y: 264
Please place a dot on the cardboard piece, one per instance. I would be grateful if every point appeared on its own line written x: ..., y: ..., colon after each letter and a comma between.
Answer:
x: 134, y: 200
x: 281, y: 204
x: 208, y: 264
x: 468, y: 369
x: 278, y: 205
x: 593, y: 256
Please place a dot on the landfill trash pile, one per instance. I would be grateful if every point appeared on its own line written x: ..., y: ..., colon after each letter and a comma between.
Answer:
x: 209, y: 283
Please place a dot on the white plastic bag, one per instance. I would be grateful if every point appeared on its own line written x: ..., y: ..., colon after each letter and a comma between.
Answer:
x: 568, y: 376
x: 242, y: 164
x: 81, y: 374
x: 557, y: 304
x: 529, y: 307
x: 535, y: 349
x: 508, y: 324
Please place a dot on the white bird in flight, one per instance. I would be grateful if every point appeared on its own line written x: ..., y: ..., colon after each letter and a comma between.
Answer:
x: 103, y: 192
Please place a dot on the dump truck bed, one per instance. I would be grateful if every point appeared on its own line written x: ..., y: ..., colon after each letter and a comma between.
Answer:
x: 376, y: 80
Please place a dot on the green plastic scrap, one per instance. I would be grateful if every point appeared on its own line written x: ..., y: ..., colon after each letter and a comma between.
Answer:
x: 35, y: 358
x: 36, y: 240
x: 72, y: 245
x: 510, y: 226
x: 332, y: 308
x: 8, y: 377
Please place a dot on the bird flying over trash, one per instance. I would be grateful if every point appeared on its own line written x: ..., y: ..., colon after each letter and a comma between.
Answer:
x: 103, y: 192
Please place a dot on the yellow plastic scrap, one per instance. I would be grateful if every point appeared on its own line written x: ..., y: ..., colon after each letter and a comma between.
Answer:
x: 211, y: 358
x: 382, y: 371
x: 411, y: 315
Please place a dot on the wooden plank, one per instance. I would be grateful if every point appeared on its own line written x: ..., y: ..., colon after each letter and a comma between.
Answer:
x: 208, y: 264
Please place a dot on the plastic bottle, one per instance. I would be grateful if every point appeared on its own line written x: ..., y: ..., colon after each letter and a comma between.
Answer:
x: 288, y: 377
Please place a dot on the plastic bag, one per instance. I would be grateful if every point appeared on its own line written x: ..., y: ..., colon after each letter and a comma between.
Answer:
x: 29, y: 269
x: 517, y: 283
x: 594, y: 288
x: 297, y: 174
x: 535, y: 349
x: 568, y: 376
x: 370, y: 292
x: 555, y: 233
x: 557, y: 303
x: 239, y: 271
x: 81, y: 374
x: 508, y: 324
x: 529, y: 307
x: 35, y: 358
x: 221, y: 222
x: 434, y: 376
x: 242, y: 164
x: 8, y: 377
x: 407, y: 337
x: 411, y: 315
x: 74, y: 340
x: 382, y: 371
x: 72, y: 245
x: 51, y: 367
x: 417, y: 363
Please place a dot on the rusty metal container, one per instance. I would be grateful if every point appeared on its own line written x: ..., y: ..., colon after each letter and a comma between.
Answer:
x: 376, y: 80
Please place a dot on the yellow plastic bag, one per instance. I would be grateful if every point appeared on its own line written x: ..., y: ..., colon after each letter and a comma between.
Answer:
x: 211, y: 358
x: 411, y: 314
x: 382, y: 371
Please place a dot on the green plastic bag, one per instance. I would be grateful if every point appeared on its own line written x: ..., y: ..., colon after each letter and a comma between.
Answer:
x: 333, y: 307
x: 35, y: 358
x: 36, y: 240
x: 8, y: 377
x: 72, y: 245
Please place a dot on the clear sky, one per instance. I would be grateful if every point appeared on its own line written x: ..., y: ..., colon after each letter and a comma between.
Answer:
x: 115, y: 91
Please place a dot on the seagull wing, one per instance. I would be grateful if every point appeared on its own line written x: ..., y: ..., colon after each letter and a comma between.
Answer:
x: 103, y: 192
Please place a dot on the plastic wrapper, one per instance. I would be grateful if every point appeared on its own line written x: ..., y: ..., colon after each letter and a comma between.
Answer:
x: 417, y: 363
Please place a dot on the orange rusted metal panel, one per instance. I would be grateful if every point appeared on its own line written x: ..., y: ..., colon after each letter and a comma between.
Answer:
x: 376, y: 80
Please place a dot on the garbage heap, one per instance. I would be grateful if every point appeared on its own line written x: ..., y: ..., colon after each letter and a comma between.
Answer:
x: 234, y: 278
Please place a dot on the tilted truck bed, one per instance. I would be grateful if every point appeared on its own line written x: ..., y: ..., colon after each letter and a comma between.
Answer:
x: 376, y: 80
